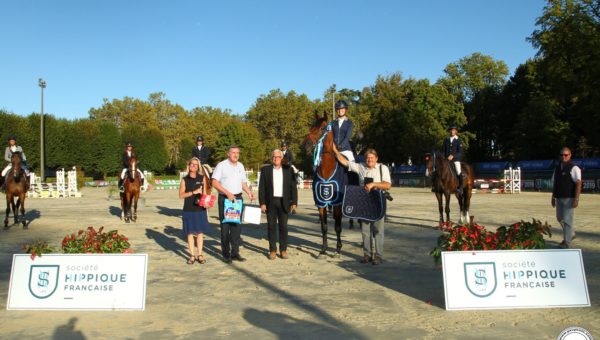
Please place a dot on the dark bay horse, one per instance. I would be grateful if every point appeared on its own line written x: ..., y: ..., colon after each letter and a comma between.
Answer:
x: 321, y: 137
x: 445, y: 183
x: 131, y: 192
x: 17, y: 185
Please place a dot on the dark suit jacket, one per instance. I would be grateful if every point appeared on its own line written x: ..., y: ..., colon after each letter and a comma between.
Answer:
x: 454, y: 148
x: 288, y: 158
x: 265, y: 187
x: 203, y: 155
x: 342, y: 135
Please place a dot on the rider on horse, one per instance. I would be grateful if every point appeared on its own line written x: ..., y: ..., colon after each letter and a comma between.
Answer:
x: 10, y: 149
x: 342, y: 130
x: 453, y: 152
x: 127, y: 153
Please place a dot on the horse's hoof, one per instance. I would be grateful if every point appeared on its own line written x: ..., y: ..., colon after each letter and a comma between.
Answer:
x: 337, y: 255
x: 322, y: 255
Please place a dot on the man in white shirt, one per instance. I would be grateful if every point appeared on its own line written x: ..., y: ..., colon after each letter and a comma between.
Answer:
x: 229, y: 178
x: 372, y: 175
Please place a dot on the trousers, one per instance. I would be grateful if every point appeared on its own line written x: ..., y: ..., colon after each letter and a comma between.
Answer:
x: 275, y: 214
x: 564, y: 214
x: 373, y: 230
x: 231, y: 233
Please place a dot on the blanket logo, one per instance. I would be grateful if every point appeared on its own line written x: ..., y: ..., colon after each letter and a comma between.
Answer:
x: 43, y: 280
x: 349, y: 209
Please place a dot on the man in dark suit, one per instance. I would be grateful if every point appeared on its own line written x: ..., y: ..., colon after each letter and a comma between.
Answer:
x: 453, y: 152
x: 277, y: 195
x: 200, y: 151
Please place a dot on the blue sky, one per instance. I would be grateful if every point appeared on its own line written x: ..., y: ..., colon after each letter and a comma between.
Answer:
x: 227, y: 53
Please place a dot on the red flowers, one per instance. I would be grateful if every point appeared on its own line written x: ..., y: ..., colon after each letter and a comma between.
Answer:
x: 520, y: 235
x: 90, y: 241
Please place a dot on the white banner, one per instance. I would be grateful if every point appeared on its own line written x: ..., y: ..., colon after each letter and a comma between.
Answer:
x: 514, y: 279
x: 78, y: 282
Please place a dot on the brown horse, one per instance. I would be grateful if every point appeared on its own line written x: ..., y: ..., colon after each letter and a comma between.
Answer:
x: 445, y: 183
x: 326, y: 168
x: 17, y: 185
x: 131, y: 192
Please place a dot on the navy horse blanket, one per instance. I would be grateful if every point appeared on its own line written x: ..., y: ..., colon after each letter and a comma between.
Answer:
x: 363, y: 205
x: 330, y: 191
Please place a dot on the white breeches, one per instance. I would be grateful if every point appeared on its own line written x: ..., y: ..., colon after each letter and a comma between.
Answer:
x: 125, y: 171
x: 5, y: 171
x: 457, y: 167
x: 348, y: 155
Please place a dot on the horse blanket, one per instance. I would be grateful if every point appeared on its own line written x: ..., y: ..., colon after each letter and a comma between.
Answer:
x: 329, y: 191
x: 363, y: 205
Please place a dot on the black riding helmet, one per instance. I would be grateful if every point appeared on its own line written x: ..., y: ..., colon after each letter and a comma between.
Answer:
x: 453, y: 126
x: 341, y: 104
x: 12, y: 138
x: 284, y: 144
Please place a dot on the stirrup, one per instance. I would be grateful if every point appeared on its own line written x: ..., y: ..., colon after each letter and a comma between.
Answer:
x: 121, y: 189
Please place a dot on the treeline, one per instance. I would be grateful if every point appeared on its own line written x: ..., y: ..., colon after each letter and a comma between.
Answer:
x: 550, y: 101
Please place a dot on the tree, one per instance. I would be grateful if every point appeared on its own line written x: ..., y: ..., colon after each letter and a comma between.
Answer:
x: 149, y: 146
x: 247, y: 137
x: 569, y: 64
x: 414, y: 110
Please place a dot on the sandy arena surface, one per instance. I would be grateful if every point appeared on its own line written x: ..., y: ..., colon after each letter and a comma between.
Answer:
x: 302, y: 297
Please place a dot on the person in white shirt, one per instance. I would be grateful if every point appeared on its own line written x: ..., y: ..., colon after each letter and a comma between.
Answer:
x: 372, y: 175
x: 229, y: 178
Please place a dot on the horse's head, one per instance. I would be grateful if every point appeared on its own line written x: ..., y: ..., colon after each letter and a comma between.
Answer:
x: 429, y: 163
x: 133, y: 166
x: 318, y: 128
x: 16, y: 160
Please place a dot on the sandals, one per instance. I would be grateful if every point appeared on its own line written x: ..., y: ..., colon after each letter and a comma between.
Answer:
x: 191, y: 260
x: 200, y: 259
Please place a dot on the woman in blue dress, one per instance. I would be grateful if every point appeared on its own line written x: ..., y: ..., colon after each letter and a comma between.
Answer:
x: 195, y: 218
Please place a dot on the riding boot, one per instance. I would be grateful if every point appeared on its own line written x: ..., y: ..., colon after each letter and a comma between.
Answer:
x: 3, y: 186
x: 459, y: 189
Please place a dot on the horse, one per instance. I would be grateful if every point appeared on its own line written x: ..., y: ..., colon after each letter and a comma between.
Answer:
x: 17, y: 185
x: 321, y: 137
x: 445, y: 182
x: 131, y: 192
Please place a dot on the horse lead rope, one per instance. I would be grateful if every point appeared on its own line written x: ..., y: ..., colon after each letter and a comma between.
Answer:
x: 319, y: 147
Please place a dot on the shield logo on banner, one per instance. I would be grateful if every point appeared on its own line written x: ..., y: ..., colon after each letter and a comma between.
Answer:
x: 43, y: 280
x: 349, y: 209
x: 480, y: 278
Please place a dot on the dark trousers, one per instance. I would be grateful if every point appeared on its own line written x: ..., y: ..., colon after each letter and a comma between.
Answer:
x: 230, y: 232
x: 275, y: 213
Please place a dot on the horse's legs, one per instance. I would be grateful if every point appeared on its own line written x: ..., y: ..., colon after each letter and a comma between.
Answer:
x: 337, y: 216
x: 22, y: 201
x: 460, y: 198
x: 323, y: 219
x: 438, y: 195
x: 135, y: 200
x: 447, y: 198
x: 16, y: 210
x: 122, y: 205
x: 467, y: 202
x: 8, y: 199
x: 127, y: 207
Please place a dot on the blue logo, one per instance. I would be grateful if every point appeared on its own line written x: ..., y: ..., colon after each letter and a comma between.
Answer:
x: 43, y: 280
x: 480, y: 278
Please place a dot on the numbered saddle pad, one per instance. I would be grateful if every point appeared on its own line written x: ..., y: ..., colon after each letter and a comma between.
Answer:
x: 363, y: 205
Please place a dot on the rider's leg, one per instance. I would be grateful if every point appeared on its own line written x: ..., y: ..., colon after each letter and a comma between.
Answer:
x: 460, y: 177
x: 142, y: 177
x: 121, y: 178
x: 5, y: 170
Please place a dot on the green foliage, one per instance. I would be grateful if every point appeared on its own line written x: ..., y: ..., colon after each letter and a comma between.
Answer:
x: 149, y: 146
x: 247, y: 137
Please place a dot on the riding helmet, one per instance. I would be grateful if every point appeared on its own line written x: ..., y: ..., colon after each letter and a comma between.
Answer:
x: 284, y: 144
x: 341, y: 104
x: 453, y: 126
x: 129, y: 144
x: 12, y: 138
x: 199, y: 139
